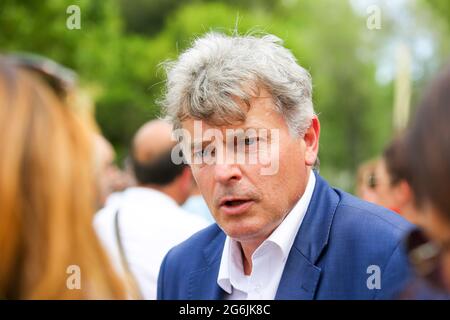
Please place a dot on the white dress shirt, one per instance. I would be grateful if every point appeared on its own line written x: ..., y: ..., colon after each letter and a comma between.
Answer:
x: 268, y: 260
x: 150, y: 223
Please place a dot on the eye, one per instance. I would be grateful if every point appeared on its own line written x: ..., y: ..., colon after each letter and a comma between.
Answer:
x: 250, y: 140
x: 207, y: 152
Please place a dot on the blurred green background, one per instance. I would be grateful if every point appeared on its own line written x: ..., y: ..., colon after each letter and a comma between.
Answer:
x: 121, y: 43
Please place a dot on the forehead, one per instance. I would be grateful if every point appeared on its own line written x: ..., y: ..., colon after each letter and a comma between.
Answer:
x: 261, y: 113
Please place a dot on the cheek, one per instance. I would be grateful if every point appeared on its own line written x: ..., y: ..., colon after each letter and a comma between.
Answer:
x: 275, y: 193
x: 204, y: 181
x: 292, y: 162
x: 290, y: 159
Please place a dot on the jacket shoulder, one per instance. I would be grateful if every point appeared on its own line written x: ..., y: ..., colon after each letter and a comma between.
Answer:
x: 364, y: 235
x: 193, y: 254
x: 370, y: 217
x: 195, y: 244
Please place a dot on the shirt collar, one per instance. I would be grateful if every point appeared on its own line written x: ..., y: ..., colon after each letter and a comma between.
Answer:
x: 283, y: 237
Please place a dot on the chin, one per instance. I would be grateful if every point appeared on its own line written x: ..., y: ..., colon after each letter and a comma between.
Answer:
x: 242, y: 231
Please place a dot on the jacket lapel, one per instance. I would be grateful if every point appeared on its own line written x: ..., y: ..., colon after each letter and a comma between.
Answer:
x: 203, y: 283
x: 301, y: 276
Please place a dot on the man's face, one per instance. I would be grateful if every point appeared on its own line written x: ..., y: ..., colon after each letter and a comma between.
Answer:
x: 246, y: 204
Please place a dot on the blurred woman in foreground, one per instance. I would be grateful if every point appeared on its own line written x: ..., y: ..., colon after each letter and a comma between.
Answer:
x: 47, y: 194
x: 426, y: 148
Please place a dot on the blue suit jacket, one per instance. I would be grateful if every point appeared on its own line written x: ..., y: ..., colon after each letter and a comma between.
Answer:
x: 340, y: 238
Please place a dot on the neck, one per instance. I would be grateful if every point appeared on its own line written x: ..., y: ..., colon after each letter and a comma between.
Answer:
x: 248, y: 248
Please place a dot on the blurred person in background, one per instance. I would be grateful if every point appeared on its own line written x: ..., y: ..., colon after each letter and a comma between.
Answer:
x: 147, y: 220
x: 365, y: 181
x: 196, y: 204
x: 111, y: 180
x: 47, y: 189
x: 391, y: 182
x: 426, y: 149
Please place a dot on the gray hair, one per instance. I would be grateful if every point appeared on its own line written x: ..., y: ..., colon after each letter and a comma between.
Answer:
x: 207, y: 78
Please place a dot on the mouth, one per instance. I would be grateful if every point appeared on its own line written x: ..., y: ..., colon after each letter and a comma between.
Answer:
x: 235, y: 206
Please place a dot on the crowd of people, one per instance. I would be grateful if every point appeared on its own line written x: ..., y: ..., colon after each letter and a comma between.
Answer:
x: 216, y: 229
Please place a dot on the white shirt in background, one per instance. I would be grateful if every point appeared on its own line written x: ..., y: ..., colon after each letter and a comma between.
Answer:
x: 150, y: 223
x: 268, y: 260
x: 197, y: 205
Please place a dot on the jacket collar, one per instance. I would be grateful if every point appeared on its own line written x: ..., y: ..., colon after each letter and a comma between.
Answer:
x: 314, y: 233
x: 301, y: 275
x: 203, y: 283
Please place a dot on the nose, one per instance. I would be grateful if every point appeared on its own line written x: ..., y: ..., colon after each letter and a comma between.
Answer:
x: 227, y: 173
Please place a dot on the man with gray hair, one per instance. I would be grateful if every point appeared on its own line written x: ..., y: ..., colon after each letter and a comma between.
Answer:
x: 239, y: 104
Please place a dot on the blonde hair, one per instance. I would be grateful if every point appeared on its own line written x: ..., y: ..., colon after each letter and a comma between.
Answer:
x: 47, y: 196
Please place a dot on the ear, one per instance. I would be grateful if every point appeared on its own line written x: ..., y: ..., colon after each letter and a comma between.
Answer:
x: 403, y: 193
x: 409, y: 209
x: 311, y: 139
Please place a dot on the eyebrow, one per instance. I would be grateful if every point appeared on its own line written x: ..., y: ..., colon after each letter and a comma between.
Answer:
x: 201, y: 143
x: 258, y: 130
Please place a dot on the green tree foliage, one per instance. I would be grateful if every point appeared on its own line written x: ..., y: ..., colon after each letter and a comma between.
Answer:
x: 119, y: 67
x: 441, y: 8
